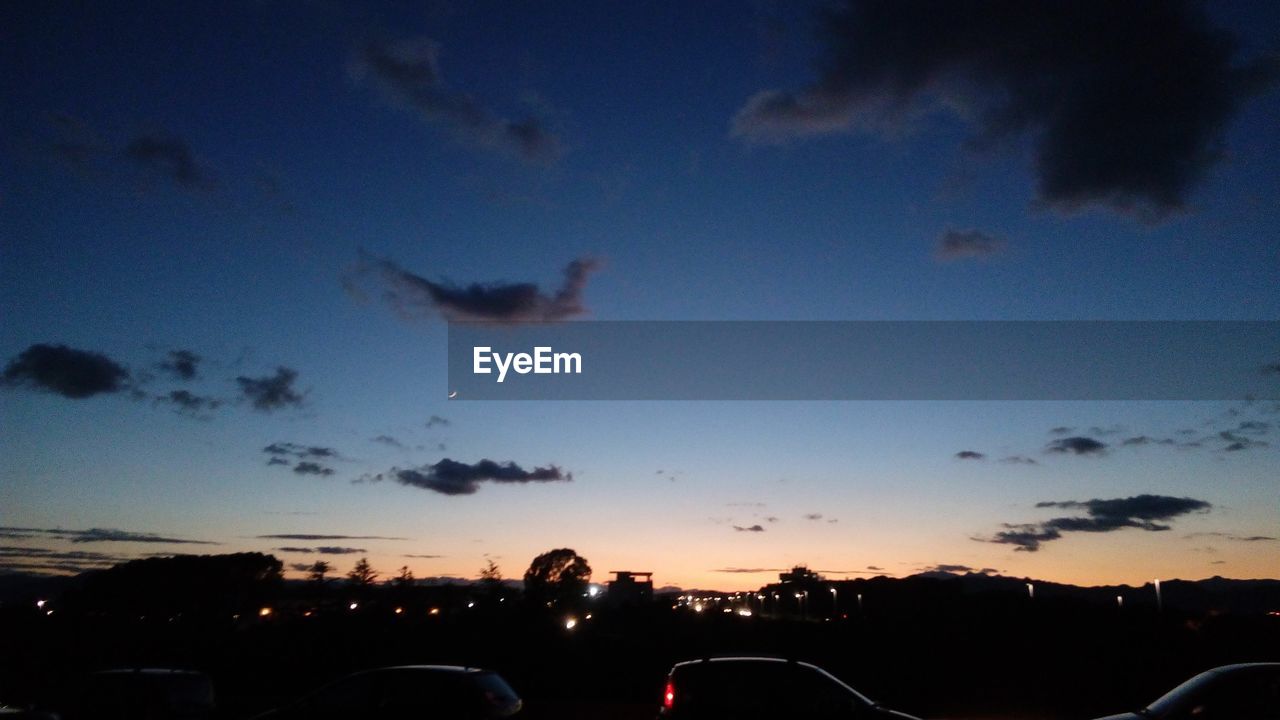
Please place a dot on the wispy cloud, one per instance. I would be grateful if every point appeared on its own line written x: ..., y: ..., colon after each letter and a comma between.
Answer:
x: 412, y: 295
x: 408, y: 73
x: 967, y: 245
x: 95, y: 535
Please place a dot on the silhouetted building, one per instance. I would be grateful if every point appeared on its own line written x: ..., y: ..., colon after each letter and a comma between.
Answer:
x: 800, y: 575
x: 627, y: 589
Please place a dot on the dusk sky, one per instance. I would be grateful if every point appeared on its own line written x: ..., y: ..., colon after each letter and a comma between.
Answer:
x: 231, y: 236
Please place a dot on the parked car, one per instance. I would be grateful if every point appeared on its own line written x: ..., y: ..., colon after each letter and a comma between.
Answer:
x: 1232, y: 692
x: 143, y: 694
x: 762, y: 688
x: 420, y: 692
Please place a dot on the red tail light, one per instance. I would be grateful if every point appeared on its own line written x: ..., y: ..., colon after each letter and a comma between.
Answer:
x: 669, y: 697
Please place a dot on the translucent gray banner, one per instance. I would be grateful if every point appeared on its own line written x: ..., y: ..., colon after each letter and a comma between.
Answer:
x: 925, y: 360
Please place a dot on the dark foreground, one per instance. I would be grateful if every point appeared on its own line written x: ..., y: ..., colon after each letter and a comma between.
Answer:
x: 988, y: 659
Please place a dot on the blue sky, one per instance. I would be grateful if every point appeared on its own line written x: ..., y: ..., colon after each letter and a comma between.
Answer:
x: 278, y: 153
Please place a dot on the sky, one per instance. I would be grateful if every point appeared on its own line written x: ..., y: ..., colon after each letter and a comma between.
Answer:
x: 231, y: 237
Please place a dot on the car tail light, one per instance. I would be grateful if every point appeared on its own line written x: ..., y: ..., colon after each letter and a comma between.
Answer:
x: 669, y: 696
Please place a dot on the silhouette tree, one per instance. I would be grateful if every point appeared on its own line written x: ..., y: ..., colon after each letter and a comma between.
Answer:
x: 491, y: 579
x: 362, y: 575
x: 490, y: 575
x: 557, y: 576
x: 404, y: 579
x: 317, y: 571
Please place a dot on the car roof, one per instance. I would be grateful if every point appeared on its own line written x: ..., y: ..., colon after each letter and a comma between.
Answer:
x: 1239, y: 666
x: 460, y: 669
x: 741, y: 658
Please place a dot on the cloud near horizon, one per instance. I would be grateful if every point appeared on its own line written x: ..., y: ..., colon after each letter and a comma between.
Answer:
x: 312, y: 537
x: 323, y: 550
x: 1108, y: 126
x: 94, y: 535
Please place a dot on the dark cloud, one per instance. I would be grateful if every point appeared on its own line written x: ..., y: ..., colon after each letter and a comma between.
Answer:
x: 425, y: 557
x: 47, y: 555
x: 1140, y: 511
x: 750, y: 528
x: 278, y: 461
x: 1271, y: 369
x: 301, y: 451
x: 1026, y: 538
x: 388, y: 441
x: 408, y: 72
x: 1061, y: 430
x: 875, y: 568
x: 181, y: 364
x: 967, y: 244
x: 1142, y: 507
x: 413, y: 295
x: 770, y: 518
x: 949, y: 568
x: 302, y: 536
x: 1236, y: 443
x: 1254, y: 427
x: 323, y: 550
x: 1127, y: 102
x: 312, y: 468
x: 66, y: 371
x: 451, y: 477
x: 1077, y: 445
x: 272, y: 392
x: 969, y: 455
x: 94, y: 535
x: 300, y: 567
x: 189, y: 403
x: 1235, y: 538
x: 813, y: 516
x: 171, y: 158
x: 436, y: 420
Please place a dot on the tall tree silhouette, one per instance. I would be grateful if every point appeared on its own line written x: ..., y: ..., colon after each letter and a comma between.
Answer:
x: 557, y: 576
x: 317, y: 571
x: 362, y: 575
